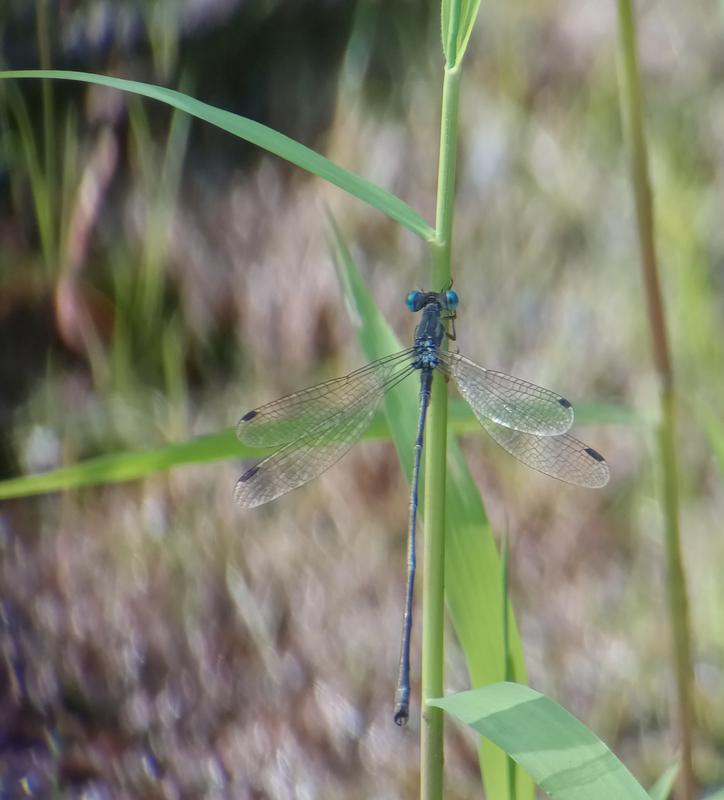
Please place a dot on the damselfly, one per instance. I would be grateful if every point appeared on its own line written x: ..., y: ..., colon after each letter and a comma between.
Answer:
x: 314, y: 428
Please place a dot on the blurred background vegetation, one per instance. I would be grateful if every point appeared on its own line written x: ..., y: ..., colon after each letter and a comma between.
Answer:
x: 159, y: 278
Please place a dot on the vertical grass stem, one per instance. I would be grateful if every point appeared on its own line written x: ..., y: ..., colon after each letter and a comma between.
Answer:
x: 433, y: 609
x: 632, y: 106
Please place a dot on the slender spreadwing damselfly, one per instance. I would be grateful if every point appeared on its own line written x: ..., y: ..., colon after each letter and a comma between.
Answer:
x: 314, y: 428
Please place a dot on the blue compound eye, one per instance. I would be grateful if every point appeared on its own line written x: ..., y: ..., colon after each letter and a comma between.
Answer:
x: 414, y: 301
x: 452, y: 299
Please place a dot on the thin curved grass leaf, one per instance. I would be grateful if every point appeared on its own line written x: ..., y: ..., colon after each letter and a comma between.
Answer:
x: 259, y: 135
x: 564, y: 758
x: 126, y: 465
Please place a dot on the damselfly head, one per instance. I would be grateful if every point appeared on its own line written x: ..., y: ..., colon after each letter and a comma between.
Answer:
x: 417, y: 300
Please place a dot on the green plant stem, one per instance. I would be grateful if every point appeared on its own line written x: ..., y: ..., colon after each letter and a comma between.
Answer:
x: 442, y: 245
x: 433, y: 605
x: 433, y: 609
x: 678, y: 601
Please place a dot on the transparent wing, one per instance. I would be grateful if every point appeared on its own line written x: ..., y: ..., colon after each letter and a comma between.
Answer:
x: 353, y: 401
x: 508, y: 401
x: 286, y: 419
x: 562, y: 456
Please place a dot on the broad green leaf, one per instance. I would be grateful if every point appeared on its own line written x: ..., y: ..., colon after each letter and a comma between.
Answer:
x: 458, y: 20
x: 472, y: 568
x: 260, y: 135
x: 561, y: 754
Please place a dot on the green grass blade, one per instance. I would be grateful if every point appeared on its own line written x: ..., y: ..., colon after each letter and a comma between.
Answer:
x: 472, y: 567
x: 260, y: 135
x: 670, y: 493
x: 468, y: 12
x: 126, y: 466
x: 562, y: 755
x: 663, y: 787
